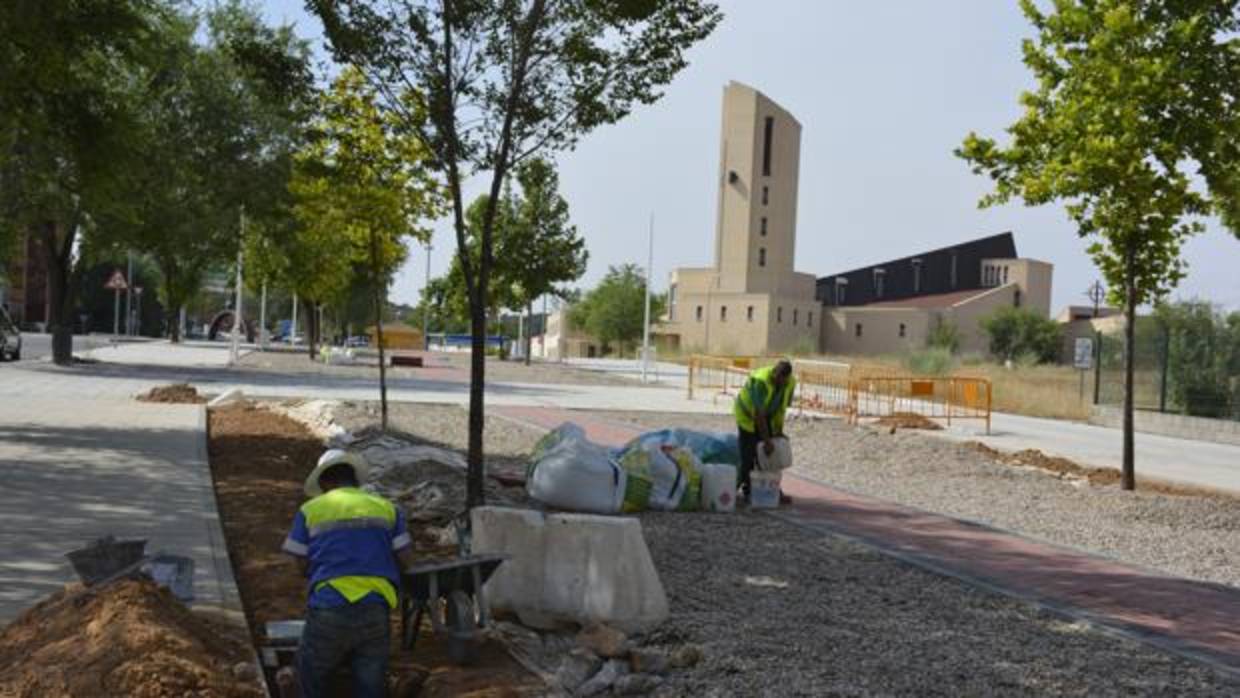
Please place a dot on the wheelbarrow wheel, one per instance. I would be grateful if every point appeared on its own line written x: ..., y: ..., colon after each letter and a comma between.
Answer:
x: 462, y: 626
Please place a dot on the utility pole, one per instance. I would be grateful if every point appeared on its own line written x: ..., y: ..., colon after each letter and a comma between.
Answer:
x: 426, y: 302
x: 262, y: 320
x: 1097, y: 293
x: 238, y: 321
x: 646, y: 322
x: 129, y: 296
x: 292, y: 332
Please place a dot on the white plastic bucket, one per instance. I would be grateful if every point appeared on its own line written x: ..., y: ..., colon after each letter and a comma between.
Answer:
x: 764, y: 489
x: 719, y: 487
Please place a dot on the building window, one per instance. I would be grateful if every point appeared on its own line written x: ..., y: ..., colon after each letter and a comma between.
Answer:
x: 857, y: 329
x: 723, y: 313
x: 766, y: 195
x: 749, y: 313
x: 1016, y: 298
x: 763, y: 230
x: 916, y: 276
x: 953, y: 270
x: 841, y: 286
x: 779, y: 314
x: 902, y: 329
x: 766, y: 146
x: 1005, y: 273
x: 699, y: 313
x: 879, y: 277
x: 795, y: 313
x: 809, y: 318
x: 762, y: 256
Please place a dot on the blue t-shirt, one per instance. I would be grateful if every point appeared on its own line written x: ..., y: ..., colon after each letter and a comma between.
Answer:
x: 350, y: 538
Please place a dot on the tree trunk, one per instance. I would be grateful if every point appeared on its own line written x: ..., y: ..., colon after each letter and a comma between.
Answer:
x: 529, y: 331
x: 1128, y: 480
x: 380, y: 292
x: 312, y: 328
x: 475, y: 494
x: 60, y: 303
x: 174, y: 324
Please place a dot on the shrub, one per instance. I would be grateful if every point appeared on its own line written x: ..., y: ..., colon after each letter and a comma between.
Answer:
x: 944, y: 335
x: 934, y: 361
x: 1015, y: 332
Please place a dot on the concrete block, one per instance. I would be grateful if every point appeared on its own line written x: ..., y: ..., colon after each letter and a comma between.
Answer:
x: 571, y: 568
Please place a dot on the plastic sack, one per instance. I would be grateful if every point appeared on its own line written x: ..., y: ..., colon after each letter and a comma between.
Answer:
x: 780, y: 458
x: 707, y: 447
x: 666, y: 478
x: 577, y: 475
x: 550, y: 440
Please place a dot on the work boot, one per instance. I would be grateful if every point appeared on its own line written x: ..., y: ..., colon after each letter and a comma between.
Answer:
x: 784, y: 499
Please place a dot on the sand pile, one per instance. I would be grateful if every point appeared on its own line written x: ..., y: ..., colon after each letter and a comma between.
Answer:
x: 130, y: 638
x: 908, y: 420
x: 181, y: 393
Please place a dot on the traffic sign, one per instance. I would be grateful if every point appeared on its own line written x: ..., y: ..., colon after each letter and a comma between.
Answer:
x: 116, y: 282
x: 1083, y: 356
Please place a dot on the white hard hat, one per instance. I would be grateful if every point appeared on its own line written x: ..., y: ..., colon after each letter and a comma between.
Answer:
x: 332, y: 457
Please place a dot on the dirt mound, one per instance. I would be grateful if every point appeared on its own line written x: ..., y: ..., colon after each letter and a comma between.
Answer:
x: 908, y: 420
x: 178, y: 393
x: 130, y: 638
x: 1034, y: 458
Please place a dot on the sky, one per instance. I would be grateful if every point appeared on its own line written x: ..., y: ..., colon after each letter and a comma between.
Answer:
x: 883, y: 90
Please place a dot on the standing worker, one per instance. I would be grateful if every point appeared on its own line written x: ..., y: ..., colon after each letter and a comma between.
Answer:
x: 759, y: 409
x: 352, y: 546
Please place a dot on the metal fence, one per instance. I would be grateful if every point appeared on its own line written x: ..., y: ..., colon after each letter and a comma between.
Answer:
x: 828, y: 387
x: 1177, y: 369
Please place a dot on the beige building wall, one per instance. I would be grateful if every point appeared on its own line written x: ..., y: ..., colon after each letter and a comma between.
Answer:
x: 1031, y: 276
x: 967, y: 315
x: 752, y: 301
x: 876, y: 331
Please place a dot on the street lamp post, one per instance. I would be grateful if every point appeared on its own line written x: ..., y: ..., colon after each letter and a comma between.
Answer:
x: 137, y: 320
x: 646, y: 321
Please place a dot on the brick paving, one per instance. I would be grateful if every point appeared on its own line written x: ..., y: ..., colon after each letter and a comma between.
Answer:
x: 1196, y: 619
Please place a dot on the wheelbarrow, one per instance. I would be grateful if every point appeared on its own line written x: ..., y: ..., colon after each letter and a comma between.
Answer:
x: 450, y: 592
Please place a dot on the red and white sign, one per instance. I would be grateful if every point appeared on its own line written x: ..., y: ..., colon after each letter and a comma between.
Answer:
x: 116, y: 282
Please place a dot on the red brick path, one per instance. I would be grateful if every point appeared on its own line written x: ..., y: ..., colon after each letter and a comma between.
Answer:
x: 1198, y: 619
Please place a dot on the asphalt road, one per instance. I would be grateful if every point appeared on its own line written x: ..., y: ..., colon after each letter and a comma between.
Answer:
x: 36, y: 346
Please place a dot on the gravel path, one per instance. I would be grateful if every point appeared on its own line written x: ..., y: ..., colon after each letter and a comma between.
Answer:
x: 852, y: 622
x: 1189, y: 536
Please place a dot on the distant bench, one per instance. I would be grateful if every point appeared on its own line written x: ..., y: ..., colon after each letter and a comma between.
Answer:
x: 410, y: 361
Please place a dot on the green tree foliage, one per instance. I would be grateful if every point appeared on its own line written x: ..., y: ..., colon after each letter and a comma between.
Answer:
x: 614, y: 310
x: 506, y: 81
x: 1202, y: 346
x: 71, y: 75
x: 220, y: 128
x: 1020, y: 332
x: 1131, y: 95
x: 944, y: 335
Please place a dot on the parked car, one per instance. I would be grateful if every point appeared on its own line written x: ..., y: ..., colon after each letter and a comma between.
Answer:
x: 10, y: 338
x: 357, y: 341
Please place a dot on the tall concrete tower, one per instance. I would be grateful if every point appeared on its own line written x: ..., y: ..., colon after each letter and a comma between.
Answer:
x: 759, y: 167
x: 751, y: 300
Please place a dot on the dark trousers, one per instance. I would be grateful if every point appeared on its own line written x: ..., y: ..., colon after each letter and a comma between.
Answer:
x: 357, y: 633
x: 749, y: 457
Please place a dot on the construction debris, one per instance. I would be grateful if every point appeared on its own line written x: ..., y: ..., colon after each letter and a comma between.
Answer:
x: 908, y: 420
x: 129, y: 638
x: 177, y: 393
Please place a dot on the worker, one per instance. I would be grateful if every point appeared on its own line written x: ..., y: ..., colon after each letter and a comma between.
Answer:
x: 759, y: 409
x: 352, y: 546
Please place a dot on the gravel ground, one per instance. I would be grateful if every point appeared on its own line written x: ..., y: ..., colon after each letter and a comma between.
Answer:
x: 286, y: 361
x: 781, y: 611
x: 851, y: 622
x: 1189, y: 536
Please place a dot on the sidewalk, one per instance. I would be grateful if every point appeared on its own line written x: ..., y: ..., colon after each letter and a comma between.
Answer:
x: 1195, y: 619
x: 76, y: 470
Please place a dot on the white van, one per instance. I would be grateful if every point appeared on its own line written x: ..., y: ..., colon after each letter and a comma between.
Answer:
x: 10, y: 338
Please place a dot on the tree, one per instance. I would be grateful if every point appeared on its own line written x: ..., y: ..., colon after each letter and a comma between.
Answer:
x: 1130, y: 94
x: 542, y: 250
x: 944, y: 335
x: 71, y: 78
x: 614, y: 311
x: 362, y: 191
x: 506, y: 80
x: 1021, y: 332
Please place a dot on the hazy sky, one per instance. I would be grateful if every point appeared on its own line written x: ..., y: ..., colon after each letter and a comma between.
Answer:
x: 883, y: 90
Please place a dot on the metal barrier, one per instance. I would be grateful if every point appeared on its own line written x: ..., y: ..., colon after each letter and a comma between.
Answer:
x: 875, y: 397
x: 722, y: 374
x: 823, y: 386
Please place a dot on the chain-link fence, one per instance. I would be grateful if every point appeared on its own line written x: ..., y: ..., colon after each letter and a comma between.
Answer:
x: 1187, y: 361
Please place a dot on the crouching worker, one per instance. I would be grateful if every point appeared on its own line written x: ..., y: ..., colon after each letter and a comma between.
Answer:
x: 759, y: 409
x: 352, y: 545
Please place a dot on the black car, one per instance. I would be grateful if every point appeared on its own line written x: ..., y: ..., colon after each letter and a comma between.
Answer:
x: 10, y: 338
